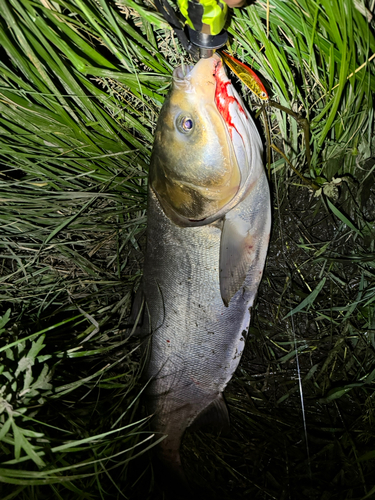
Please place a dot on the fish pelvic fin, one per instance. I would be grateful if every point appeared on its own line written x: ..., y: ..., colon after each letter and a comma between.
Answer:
x: 215, y: 415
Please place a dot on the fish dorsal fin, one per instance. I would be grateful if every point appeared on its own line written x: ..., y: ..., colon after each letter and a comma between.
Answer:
x: 237, y: 253
x: 214, y: 416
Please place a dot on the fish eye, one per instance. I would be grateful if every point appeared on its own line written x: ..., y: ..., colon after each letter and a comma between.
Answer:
x: 185, y: 124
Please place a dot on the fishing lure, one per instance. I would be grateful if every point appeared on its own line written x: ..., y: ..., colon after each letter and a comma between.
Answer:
x: 246, y: 75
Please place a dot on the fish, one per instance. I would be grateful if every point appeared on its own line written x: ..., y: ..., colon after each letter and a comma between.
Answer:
x: 208, y: 229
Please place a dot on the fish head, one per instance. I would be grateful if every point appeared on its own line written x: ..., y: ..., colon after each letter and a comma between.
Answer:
x: 194, y: 169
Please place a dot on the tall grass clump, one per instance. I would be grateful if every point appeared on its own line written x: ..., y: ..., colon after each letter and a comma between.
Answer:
x: 81, y: 86
x: 79, y: 92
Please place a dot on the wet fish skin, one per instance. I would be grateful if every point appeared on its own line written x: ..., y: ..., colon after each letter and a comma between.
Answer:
x: 206, y: 248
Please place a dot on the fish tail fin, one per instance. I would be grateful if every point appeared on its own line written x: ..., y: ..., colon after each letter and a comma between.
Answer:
x: 170, y: 472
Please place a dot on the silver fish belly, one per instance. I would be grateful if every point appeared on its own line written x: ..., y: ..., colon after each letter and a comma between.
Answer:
x: 201, y: 274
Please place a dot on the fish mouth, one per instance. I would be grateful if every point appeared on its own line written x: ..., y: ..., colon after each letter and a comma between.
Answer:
x: 205, y: 71
x: 182, y: 72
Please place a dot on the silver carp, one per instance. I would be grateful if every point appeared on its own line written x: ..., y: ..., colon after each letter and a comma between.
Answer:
x: 209, y: 220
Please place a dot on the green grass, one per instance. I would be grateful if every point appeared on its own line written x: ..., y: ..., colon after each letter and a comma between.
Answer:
x: 81, y: 86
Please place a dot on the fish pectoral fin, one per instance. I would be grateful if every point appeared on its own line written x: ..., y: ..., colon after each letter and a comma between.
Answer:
x: 238, y: 250
x: 215, y: 415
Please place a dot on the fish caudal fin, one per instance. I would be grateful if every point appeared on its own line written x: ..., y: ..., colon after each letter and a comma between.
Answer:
x: 169, y: 468
x: 169, y: 471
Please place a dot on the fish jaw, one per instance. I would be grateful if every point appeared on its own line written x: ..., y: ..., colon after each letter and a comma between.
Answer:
x: 194, y: 173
